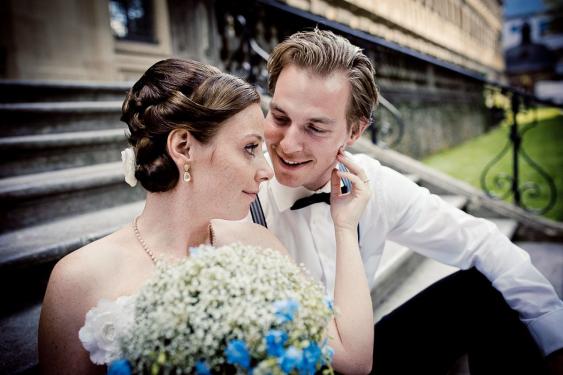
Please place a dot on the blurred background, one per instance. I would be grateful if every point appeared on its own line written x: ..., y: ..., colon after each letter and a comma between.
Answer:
x: 471, y: 108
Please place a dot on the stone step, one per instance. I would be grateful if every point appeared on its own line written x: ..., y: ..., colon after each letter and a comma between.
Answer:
x: 12, y: 91
x: 48, y: 242
x: 47, y: 152
x: 414, y: 178
x: 18, y: 119
x: 26, y: 259
x: 457, y: 201
x: 398, y: 263
x: 19, y: 331
x: 41, y: 197
x: 507, y: 226
x: 426, y: 273
x: 548, y: 258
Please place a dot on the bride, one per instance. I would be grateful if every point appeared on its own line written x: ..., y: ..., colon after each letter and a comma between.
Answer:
x: 196, y: 134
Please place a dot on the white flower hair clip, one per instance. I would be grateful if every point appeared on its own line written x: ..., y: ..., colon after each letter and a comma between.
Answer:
x: 128, y: 165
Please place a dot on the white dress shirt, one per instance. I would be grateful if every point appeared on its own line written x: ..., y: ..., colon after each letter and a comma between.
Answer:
x: 402, y: 211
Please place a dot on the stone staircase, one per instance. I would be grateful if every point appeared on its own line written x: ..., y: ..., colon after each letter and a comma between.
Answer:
x: 61, y: 187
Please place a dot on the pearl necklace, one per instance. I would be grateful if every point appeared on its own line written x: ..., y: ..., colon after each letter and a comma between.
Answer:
x: 150, y: 253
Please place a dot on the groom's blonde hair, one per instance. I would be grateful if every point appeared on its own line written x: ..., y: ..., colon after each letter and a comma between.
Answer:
x: 324, y: 52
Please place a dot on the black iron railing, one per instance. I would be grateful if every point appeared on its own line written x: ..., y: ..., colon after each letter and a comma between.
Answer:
x: 503, y: 185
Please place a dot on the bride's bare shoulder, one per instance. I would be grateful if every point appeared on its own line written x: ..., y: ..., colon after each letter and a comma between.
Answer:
x: 227, y: 232
x: 90, y: 265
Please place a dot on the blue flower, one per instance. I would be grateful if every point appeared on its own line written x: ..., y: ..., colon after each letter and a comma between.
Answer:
x: 327, y: 352
x: 237, y: 353
x: 285, y: 310
x: 119, y: 367
x: 195, y: 251
x: 290, y: 359
x: 275, y: 340
x: 311, y: 355
x: 329, y: 302
x: 201, y: 368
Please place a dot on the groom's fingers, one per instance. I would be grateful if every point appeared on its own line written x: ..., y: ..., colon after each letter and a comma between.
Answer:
x: 356, y: 181
x: 334, y: 183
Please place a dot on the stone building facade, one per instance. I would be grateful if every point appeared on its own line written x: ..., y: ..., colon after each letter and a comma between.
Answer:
x: 427, y: 52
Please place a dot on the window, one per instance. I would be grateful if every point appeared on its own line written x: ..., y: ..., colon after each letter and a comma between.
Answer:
x: 551, y: 26
x: 132, y: 20
x: 515, y: 29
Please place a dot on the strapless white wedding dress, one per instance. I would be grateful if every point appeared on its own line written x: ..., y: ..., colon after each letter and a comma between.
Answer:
x: 104, y: 325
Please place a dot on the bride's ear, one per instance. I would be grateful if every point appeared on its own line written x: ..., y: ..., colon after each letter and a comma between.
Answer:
x: 179, y: 144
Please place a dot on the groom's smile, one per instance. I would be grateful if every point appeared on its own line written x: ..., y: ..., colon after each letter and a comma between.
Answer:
x: 290, y: 163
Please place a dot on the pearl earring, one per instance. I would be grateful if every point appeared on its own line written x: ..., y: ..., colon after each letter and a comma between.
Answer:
x: 187, y: 175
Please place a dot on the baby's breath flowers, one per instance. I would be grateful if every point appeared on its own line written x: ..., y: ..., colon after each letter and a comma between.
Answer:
x: 230, y: 309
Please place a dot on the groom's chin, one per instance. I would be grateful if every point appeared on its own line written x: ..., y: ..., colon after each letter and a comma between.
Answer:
x: 286, y: 179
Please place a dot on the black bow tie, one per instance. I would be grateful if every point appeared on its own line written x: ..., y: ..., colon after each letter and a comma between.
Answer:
x: 311, y: 199
x: 315, y: 198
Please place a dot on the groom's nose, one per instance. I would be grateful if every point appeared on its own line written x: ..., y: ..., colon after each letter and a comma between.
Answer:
x: 292, y: 140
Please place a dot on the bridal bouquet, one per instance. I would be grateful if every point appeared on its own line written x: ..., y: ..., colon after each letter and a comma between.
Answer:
x: 233, y: 309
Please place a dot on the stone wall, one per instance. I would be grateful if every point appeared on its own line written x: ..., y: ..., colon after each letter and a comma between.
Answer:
x: 56, y: 39
x: 432, y: 126
x: 440, y: 109
x: 464, y: 32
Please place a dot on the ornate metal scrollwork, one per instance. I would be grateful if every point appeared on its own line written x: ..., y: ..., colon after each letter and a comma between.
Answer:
x: 511, y: 184
x: 241, y: 53
x: 388, y: 126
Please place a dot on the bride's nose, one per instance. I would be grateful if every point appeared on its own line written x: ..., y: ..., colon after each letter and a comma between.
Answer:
x: 264, y: 172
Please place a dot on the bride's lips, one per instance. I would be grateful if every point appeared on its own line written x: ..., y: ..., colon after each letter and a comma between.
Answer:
x: 250, y: 194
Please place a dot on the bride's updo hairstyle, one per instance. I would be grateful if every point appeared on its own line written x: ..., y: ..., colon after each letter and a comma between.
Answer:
x: 178, y: 94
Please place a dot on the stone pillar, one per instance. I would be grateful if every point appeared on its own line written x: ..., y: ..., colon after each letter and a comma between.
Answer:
x: 194, y: 33
x: 56, y: 39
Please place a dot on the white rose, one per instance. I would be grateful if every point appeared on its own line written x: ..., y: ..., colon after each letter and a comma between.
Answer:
x: 105, y: 324
x: 128, y: 164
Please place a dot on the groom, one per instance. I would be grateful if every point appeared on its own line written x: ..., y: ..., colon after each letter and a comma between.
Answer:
x: 500, y: 309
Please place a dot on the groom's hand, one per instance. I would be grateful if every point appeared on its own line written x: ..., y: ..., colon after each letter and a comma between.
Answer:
x: 347, y: 208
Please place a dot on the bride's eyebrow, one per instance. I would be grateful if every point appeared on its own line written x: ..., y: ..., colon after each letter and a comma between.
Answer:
x: 257, y: 136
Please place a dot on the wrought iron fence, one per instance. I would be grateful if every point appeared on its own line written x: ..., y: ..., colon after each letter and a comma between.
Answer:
x: 503, y: 185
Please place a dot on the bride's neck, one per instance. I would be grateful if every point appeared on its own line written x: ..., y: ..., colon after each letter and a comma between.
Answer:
x: 170, y: 227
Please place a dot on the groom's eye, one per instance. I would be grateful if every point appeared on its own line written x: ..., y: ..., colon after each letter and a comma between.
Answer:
x: 316, y: 130
x: 280, y: 119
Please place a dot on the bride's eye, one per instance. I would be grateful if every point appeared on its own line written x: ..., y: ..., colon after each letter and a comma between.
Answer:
x: 251, y: 149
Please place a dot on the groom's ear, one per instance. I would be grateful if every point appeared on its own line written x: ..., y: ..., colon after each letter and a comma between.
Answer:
x: 357, y: 130
x: 179, y: 144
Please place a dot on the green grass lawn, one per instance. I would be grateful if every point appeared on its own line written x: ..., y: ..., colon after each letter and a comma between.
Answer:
x: 543, y: 143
